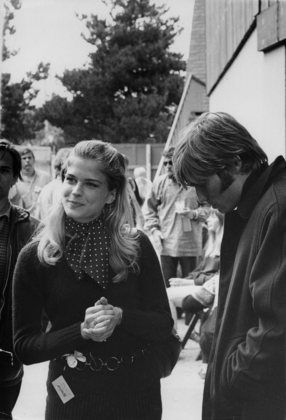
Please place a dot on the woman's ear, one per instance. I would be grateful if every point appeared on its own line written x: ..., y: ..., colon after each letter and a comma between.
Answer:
x: 111, y: 197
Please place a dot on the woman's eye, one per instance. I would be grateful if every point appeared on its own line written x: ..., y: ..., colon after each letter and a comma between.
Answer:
x: 91, y: 185
x: 70, y: 179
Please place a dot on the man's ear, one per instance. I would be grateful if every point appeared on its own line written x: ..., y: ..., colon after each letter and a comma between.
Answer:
x: 236, y: 165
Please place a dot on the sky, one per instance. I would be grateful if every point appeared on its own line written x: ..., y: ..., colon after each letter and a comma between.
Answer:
x: 49, y: 31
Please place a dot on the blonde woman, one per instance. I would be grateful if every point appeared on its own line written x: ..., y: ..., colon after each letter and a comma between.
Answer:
x: 100, y: 284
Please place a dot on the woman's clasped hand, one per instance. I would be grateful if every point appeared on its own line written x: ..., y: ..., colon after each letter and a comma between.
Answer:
x: 100, y: 321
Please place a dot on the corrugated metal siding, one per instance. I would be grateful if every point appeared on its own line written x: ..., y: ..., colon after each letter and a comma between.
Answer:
x: 227, y: 22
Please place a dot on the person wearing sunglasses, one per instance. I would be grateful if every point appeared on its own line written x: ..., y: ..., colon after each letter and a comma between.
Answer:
x: 16, y: 228
x: 174, y: 220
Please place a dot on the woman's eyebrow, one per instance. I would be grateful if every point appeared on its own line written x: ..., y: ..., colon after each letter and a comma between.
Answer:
x: 85, y: 179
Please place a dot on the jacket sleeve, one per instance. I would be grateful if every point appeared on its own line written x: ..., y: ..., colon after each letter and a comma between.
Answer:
x: 32, y: 344
x: 153, y: 321
x: 206, y: 271
x: 255, y: 363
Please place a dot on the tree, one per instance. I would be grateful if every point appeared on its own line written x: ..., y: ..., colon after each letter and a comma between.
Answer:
x: 130, y: 89
x: 18, y: 122
x: 8, y: 27
x: 18, y: 114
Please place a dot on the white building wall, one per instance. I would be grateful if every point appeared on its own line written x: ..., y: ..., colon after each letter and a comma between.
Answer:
x: 253, y: 91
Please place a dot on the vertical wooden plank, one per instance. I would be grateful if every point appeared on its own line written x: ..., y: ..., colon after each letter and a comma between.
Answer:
x: 263, y: 5
x: 282, y: 21
x: 227, y: 22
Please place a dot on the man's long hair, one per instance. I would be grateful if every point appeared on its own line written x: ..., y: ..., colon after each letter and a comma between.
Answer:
x: 211, y: 144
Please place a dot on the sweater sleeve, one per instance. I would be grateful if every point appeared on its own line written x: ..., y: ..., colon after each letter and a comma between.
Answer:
x: 153, y: 322
x: 32, y: 345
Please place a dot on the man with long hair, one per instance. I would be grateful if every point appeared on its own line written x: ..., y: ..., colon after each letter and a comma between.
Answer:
x: 246, y: 371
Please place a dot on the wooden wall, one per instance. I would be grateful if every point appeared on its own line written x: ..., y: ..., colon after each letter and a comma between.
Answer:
x: 227, y: 23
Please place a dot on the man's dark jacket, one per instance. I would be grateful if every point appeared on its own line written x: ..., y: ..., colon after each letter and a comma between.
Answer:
x: 246, y: 372
x: 21, y: 229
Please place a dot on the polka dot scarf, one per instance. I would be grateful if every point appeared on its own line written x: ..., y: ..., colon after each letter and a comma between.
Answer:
x: 88, y: 249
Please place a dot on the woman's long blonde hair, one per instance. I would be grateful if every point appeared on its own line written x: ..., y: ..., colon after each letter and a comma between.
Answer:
x: 117, y: 215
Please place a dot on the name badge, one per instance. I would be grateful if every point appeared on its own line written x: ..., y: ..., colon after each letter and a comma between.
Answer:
x: 62, y: 389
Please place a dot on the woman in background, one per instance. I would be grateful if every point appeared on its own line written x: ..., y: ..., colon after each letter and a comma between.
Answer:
x: 101, y: 286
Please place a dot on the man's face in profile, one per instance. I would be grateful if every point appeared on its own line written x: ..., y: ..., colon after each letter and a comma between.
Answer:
x: 7, y: 178
x: 219, y: 194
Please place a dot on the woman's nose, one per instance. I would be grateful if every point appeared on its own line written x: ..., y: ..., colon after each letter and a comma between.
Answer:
x: 77, y: 189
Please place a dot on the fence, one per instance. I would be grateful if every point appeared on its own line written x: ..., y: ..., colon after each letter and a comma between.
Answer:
x: 139, y: 154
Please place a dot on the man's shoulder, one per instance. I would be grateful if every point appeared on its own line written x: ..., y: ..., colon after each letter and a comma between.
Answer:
x: 43, y: 176
x: 273, y: 200
x: 51, y: 186
x: 21, y: 217
x: 163, y: 181
x: 161, y: 178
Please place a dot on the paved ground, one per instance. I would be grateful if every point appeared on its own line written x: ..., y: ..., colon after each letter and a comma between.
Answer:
x: 181, y: 392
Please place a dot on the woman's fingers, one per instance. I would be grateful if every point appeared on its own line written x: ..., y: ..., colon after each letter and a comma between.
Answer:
x: 98, y: 308
x: 100, y: 320
x: 99, y: 333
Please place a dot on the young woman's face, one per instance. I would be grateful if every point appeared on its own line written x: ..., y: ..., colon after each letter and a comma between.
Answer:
x: 85, y: 190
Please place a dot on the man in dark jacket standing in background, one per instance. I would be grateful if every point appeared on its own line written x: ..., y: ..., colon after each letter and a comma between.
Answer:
x: 16, y: 228
x: 246, y: 371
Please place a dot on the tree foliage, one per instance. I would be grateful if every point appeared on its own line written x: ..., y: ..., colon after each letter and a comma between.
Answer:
x: 130, y: 89
x: 18, y: 113
x: 18, y: 120
x: 8, y: 27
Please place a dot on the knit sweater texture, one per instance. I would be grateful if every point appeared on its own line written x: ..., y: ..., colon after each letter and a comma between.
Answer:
x: 56, y: 290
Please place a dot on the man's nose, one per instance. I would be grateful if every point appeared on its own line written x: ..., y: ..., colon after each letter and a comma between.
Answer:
x: 202, y: 198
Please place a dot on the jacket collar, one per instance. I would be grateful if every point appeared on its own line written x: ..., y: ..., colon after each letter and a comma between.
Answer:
x: 257, y: 186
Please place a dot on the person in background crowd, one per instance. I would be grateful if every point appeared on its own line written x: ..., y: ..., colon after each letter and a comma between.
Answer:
x: 101, y: 286
x: 137, y: 215
x: 142, y: 182
x: 206, y: 269
x: 138, y: 218
x: 16, y: 228
x: 201, y: 298
x: 246, y: 371
x: 174, y: 221
x: 51, y: 192
x: 28, y: 188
